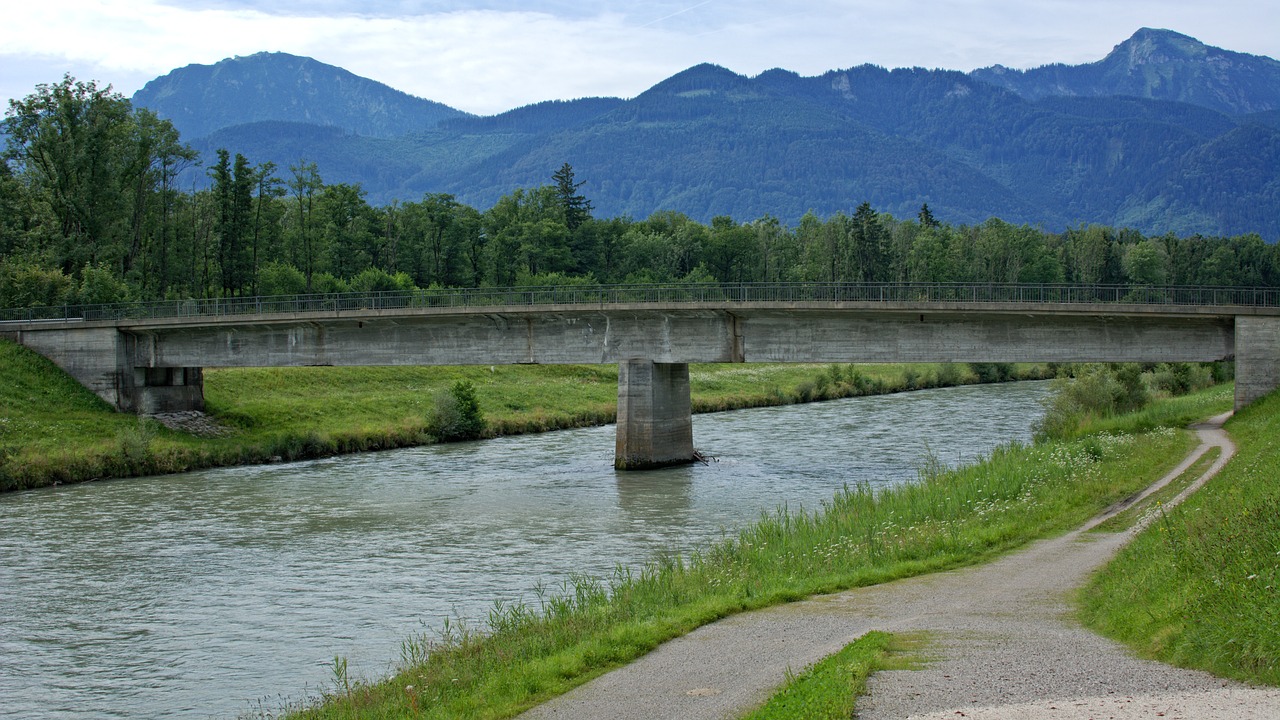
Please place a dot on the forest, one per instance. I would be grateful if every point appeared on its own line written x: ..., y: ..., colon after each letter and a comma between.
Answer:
x: 91, y: 211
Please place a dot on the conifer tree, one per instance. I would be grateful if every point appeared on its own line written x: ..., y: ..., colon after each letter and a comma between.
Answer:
x: 577, y: 209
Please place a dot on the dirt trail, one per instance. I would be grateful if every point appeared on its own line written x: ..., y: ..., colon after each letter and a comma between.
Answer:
x: 1004, y: 644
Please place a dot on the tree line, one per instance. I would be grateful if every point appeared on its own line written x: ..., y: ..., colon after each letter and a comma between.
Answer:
x: 91, y: 211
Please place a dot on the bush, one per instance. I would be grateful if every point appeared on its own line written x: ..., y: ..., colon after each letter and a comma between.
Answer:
x: 379, y: 280
x: 948, y: 375
x: 98, y: 285
x: 32, y: 283
x: 456, y: 414
x: 992, y: 372
x: 281, y: 279
x: 1095, y: 392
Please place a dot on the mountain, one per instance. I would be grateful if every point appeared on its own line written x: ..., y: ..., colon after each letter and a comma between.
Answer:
x: 1053, y: 147
x: 1158, y: 65
x: 202, y: 99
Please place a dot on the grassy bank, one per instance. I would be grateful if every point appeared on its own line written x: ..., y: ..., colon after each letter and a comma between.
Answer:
x: 528, y: 653
x: 1201, y: 586
x: 54, y: 431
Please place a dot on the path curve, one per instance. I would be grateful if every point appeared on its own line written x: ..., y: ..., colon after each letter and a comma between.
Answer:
x: 1004, y: 647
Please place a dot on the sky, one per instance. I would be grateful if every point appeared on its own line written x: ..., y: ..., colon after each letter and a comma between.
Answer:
x: 489, y: 56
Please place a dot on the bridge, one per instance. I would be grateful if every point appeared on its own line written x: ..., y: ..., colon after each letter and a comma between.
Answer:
x: 149, y: 357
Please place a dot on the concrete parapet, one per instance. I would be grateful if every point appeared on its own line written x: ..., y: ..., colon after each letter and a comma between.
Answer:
x: 655, y: 421
x: 1257, y: 341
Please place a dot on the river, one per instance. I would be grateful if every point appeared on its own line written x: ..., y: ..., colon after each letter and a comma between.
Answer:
x: 224, y: 592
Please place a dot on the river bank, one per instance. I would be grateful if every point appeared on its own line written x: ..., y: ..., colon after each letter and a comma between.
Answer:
x: 527, y: 654
x: 53, y: 431
x: 200, y: 594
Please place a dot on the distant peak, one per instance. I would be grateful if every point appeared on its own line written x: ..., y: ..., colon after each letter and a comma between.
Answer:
x: 703, y: 77
x: 1150, y: 45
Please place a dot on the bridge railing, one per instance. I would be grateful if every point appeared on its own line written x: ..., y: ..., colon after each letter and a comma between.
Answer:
x: 605, y: 295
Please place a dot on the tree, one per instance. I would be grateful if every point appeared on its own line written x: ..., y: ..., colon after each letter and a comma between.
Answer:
x: 168, y: 157
x: 71, y: 143
x: 925, y: 216
x: 305, y: 186
x: 266, y: 220
x: 869, y: 241
x: 576, y: 208
x: 349, y: 222
x: 1146, y: 263
x: 439, y: 210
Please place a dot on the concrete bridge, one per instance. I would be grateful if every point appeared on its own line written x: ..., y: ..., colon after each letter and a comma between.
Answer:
x: 149, y: 357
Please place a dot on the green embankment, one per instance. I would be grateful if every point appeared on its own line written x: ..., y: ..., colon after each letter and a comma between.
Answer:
x: 527, y: 653
x: 1201, y: 586
x: 54, y: 431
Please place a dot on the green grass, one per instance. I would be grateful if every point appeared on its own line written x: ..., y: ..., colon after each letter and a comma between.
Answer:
x: 1128, y: 517
x: 1200, y: 587
x: 527, y: 653
x: 54, y: 431
x: 829, y: 689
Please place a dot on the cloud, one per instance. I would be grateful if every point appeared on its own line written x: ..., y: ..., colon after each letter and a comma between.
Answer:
x: 492, y: 55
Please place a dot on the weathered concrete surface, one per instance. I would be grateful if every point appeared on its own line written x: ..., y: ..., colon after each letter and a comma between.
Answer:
x: 102, y: 359
x: 154, y: 365
x: 97, y: 357
x: 655, y: 422
x: 672, y: 336
x: 826, y: 336
x: 1257, y: 351
x: 582, y: 337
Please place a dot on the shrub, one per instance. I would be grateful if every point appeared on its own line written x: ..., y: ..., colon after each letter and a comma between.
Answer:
x: 456, y: 413
x: 992, y: 372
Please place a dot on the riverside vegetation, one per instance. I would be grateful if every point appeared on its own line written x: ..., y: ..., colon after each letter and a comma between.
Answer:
x: 529, y: 651
x: 1200, y: 587
x: 53, y: 430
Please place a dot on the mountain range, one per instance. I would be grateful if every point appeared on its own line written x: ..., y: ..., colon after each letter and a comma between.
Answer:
x: 1164, y: 134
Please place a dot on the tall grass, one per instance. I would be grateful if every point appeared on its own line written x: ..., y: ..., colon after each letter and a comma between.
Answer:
x: 528, y: 652
x: 1201, y: 586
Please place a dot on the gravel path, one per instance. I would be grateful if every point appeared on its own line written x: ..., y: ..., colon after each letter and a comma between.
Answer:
x: 1003, y: 643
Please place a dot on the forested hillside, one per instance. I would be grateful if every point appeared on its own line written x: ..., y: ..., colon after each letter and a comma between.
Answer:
x: 202, y: 99
x: 90, y: 211
x: 1165, y: 134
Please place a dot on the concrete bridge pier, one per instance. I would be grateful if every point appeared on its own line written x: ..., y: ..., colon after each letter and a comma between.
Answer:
x: 1257, y: 350
x: 167, y: 389
x: 655, y: 418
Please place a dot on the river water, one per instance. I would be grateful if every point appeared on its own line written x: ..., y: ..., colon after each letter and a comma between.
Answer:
x: 225, y: 592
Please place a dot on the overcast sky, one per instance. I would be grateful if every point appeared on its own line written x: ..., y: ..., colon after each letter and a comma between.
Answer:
x: 489, y: 56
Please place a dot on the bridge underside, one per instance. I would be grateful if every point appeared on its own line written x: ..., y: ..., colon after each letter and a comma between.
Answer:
x: 156, y: 366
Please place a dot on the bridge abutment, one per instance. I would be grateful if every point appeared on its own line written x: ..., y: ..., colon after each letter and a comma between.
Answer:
x: 102, y: 359
x: 1257, y: 349
x: 655, y: 419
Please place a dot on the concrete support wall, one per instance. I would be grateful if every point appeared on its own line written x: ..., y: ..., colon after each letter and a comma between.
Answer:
x: 93, y: 356
x: 655, y: 422
x: 1257, y: 358
x: 102, y: 359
